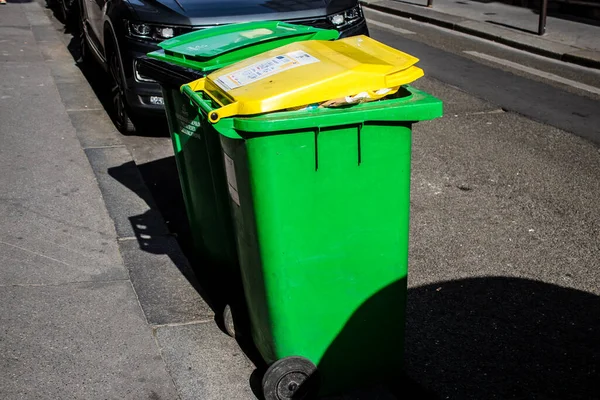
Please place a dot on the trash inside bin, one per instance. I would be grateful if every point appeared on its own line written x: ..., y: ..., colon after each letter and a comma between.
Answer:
x: 320, y: 200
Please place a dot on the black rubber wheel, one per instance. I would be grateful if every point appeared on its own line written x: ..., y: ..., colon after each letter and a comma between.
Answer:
x: 291, y: 378
x: 121, y: 116
x: 228, y: 324
x: 84, y: 51
x: 64, y: 13
x: 69, y: 13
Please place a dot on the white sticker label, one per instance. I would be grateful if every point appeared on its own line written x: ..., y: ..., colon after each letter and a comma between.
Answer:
x: 231, y: 179
x: 265, y: 68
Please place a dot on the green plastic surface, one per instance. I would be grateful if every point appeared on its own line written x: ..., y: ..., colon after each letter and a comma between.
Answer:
x: 198, y: 156
x: 320, y: 200
x: 203, y: 184
x: 409, y: 104
x: 213, y: 48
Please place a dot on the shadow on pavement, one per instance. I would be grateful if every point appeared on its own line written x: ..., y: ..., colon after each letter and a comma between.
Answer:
x: 159, y: 188
x: 161, y: 191
x: 146, y: 226
x: 484, y: 338
x: 369, y: 350
x: 503, y: 338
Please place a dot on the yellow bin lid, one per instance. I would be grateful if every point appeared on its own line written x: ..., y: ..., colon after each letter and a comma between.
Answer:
x: 306, y: 73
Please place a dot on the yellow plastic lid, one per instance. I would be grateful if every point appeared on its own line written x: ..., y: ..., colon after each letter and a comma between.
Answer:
x: 306, y: 73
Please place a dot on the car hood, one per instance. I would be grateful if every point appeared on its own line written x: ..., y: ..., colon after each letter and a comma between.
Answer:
x: 215, y: 12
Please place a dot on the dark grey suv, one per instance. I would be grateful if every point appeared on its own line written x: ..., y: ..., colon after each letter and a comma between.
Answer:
x: 116, y: 33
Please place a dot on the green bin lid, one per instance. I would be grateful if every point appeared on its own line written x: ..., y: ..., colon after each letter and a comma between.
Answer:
x: 217, y: 47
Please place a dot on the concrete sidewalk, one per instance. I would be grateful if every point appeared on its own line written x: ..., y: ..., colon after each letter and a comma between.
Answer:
x: 514, y: 26
x: 97, y: 300
x: 71, y: 323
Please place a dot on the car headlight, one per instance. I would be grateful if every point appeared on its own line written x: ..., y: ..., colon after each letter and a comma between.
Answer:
x: 347, y: 17
x: 143, y: 30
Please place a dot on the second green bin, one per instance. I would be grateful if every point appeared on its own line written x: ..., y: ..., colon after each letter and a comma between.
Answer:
x: 189, y: 57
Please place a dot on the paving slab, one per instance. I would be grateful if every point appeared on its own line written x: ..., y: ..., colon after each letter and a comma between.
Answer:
x: 126, y: 196
x: 18, y: 45
x: 65, y: 72
x: 78, y: 341
x: 36, y: 249
x: 205, y: 363
x: 516, y: 39
x: 164, y: 282
x: 75, y: 96
x: 72, y: 326
x: 53, y: 221
x: 35, y: 13
x: 13, y: 16
x: 94, y: 128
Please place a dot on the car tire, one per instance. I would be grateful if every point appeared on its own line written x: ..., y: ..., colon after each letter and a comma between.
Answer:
x: 121, y: 114
x: 85, y: 55
x: 70, y: 14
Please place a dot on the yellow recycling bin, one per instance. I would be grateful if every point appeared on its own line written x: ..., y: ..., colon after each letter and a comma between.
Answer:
x: 329, y: 70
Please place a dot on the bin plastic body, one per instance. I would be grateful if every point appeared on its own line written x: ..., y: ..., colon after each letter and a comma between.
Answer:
x: 184, y: 59
x: 320, y: 200
x: 199, y: 166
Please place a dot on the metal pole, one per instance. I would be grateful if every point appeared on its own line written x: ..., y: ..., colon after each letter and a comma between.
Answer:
x: 429, y: 3
x: 543, y: 14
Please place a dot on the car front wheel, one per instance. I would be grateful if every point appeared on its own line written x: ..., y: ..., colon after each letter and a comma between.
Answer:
x: 122, y: 119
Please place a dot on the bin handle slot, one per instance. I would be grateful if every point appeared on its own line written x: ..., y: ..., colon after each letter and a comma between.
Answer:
x: 214, y: 114
x: 358, y: 132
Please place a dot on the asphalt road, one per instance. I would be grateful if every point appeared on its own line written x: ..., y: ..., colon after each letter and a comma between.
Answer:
x: 464, y: 62
x: 504, y: 278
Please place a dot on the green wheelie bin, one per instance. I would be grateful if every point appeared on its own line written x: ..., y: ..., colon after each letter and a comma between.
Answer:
x: 320, y: 201
x: 198, y: 156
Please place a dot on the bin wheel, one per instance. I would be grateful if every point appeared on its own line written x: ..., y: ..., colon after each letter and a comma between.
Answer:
x: 228, y: 324
x: 291, y: 378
